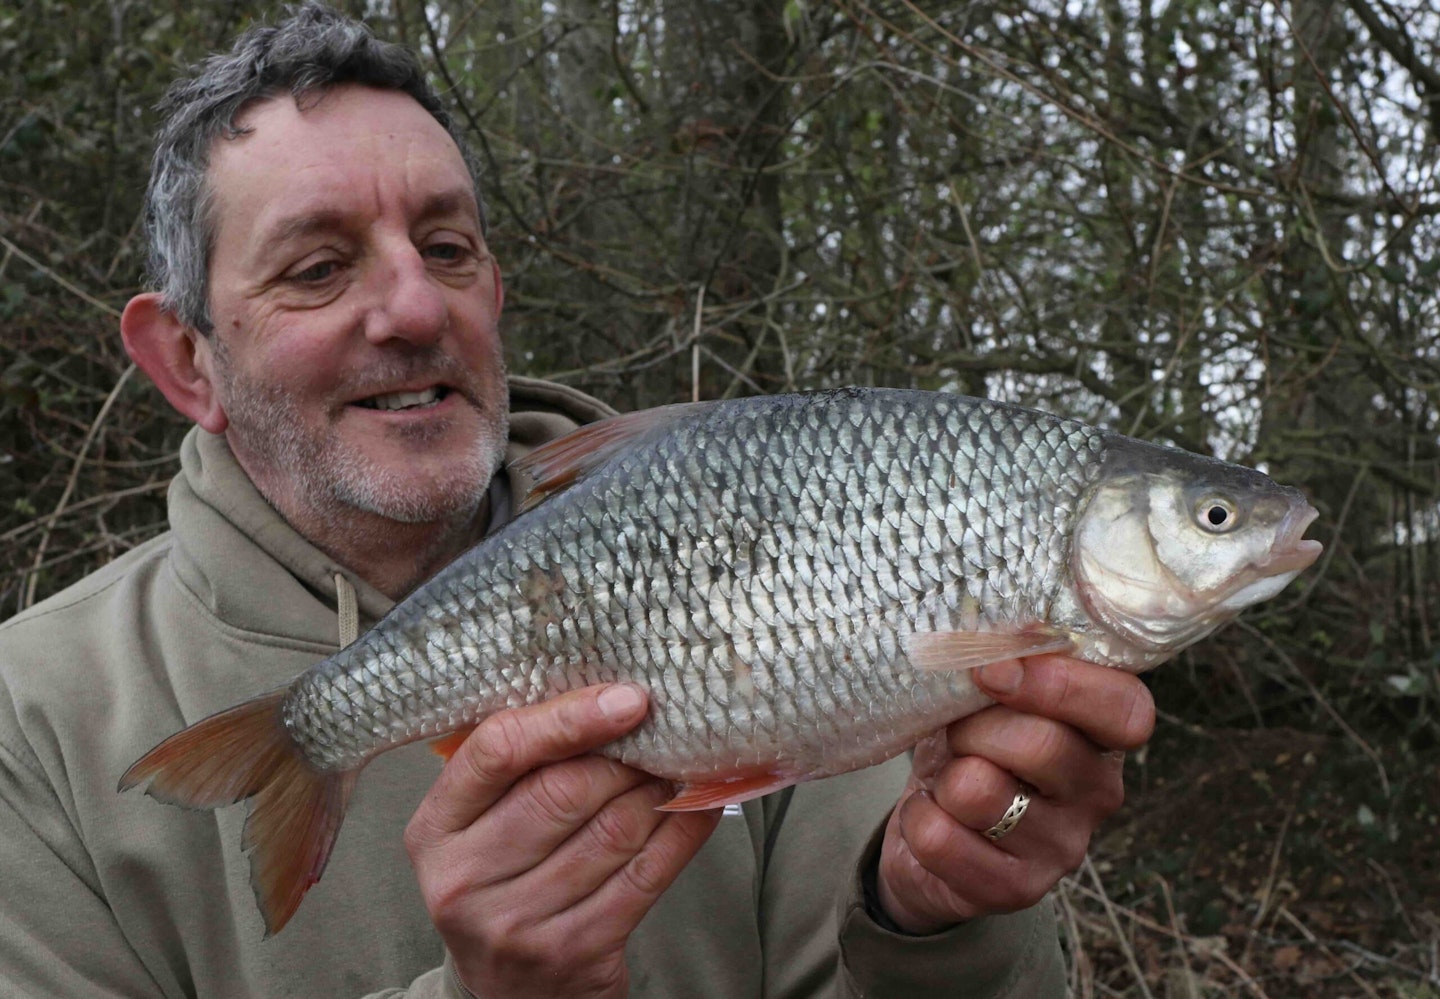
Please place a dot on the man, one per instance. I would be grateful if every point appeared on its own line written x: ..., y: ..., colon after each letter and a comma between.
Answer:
x: 326, y: 314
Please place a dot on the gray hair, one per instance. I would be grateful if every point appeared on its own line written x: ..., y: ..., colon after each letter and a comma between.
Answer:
x: 312, y: 50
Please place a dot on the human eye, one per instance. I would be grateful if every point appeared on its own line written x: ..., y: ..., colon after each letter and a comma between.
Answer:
x: 447, y: 252
x: 450, y: 250
x: 450, y: 246
x: 315, y: 273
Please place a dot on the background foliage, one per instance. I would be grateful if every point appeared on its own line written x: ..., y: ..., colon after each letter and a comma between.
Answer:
x: 1209, y: 222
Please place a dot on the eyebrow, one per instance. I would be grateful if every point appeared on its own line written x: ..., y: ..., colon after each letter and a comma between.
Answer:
x: 459, y: 201
x: 299, y: 226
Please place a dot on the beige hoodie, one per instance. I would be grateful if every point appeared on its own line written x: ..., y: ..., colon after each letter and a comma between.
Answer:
x: 104, y: 894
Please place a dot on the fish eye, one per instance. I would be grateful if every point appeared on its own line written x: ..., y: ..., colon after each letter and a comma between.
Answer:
x: 1217, y: 515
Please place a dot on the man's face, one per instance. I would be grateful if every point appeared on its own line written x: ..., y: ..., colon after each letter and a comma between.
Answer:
x: 355, y: 304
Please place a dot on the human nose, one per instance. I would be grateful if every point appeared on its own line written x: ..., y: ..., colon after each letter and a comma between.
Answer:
x: 409, y: 304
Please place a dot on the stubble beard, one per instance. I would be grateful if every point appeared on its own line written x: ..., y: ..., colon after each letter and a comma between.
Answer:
x: 332, y: 479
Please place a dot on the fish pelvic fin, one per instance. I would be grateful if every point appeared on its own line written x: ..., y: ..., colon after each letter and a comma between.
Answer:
x: 964, y: 650
x: 295, y: 811
x: 448, y: 745
x: 558, y: 465
x: 701, y: 795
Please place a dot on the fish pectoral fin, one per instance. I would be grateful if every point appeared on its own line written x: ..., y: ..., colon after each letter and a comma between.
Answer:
x: 558, y: 465
x: 701, y: 795
x: 962, y: 650
x: 447, y: 746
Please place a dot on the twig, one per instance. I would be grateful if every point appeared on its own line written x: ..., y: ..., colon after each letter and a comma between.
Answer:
x: 1120, y: 937
x: 784, y: 354
x: 1394, y: 896
x: 1175, y: 928
x: 1150, y: 924
x: 73, y: 289
x: 29, y: 597
x: 695, y: 346
x: 50, y: 518
x: 1268, y: 888
x: 1064, y: 107
x: 1081, y: 983
x: 1320, y: 699
x: 30, y: 216
x: 1319, y: 574
x: 101, y: 541
x: 1294, y: 921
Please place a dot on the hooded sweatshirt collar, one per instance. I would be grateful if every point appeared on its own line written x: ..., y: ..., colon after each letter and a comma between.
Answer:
x: 255, y: 572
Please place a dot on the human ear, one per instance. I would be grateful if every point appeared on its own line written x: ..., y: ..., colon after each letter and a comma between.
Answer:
x: 176, y: 357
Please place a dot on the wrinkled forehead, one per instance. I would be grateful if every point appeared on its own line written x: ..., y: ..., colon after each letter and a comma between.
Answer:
x: 345, y: 150
x: 340, y: 123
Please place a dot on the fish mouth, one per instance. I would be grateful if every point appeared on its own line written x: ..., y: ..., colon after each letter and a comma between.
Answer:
x: 1292, y: 551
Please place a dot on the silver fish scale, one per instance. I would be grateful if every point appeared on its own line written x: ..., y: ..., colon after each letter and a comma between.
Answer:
x: 756, y: 569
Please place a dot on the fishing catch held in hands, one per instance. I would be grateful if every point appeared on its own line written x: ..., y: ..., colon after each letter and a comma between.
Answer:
x: 802, y: 584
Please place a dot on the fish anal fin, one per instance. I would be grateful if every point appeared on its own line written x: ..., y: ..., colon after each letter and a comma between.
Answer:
x: 701, y: 795
x: 243, y: 753
x: 554, y: 467
x: 448, y: 745
x: 965, y: 650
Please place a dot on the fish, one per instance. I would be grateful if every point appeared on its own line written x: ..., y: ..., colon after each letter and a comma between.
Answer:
x: 802, y: 584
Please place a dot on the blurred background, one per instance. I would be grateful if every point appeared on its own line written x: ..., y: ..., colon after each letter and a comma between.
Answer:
x: 1213, y: 223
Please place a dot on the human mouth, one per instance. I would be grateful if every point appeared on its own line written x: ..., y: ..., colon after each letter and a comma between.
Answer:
x: 392, y: 401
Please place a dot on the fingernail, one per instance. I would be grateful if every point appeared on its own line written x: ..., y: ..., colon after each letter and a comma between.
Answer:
x: 620, y: 701
x: 1002, y: 677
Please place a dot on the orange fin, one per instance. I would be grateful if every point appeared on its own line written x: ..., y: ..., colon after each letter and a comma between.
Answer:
x: 962, y: 650
x: 295, y: 810
x: 558, y: 465
x: 727, y: 791
x: 448, y: 745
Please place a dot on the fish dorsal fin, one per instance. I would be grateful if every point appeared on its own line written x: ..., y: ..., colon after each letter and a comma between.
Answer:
x: 558, y: 465
x: 963, y: 650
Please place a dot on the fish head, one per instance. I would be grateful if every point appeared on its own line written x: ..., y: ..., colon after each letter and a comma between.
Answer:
x: 1171, y: 545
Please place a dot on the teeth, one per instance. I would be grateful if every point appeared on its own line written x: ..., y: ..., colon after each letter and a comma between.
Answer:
x: 403, y: 400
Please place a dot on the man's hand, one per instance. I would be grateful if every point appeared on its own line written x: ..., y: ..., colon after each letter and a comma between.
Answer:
x: 537, y: 862
x: 1059, y: 726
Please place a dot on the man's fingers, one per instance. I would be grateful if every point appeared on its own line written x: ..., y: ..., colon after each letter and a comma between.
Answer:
x: 978, y: 794
x: 1112, y: 707
x: 509, y: 744
x: 630, y: 892
x: 975, y: 791
x: 596, y: 850
x: 992, y: 880
x: 1050, y: 755
x: 1056, y: 727
x: 545, y: 808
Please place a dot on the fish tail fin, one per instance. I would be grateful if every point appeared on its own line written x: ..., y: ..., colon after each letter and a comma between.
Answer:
x: 243, y: 753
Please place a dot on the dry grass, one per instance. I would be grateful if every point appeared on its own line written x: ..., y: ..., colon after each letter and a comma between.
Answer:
x: 1254, y: 864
